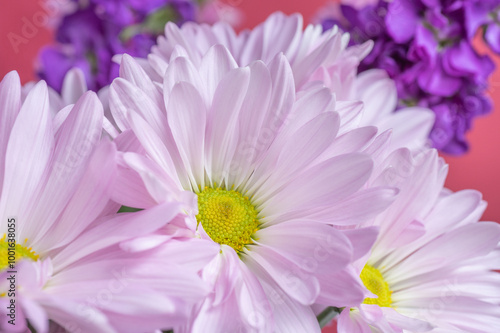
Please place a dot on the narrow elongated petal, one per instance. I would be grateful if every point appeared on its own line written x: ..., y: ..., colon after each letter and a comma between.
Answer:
x: 10, y: 103
x: 28, y: 152
x: 77, y: 137
x: 127, y: 223
x: 187, y: 117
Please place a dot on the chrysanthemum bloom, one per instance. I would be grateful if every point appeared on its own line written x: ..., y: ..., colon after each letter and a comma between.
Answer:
x: 431, y: 268
x: 59, y: 257
x: 313, y: 56
x: 271, y: 168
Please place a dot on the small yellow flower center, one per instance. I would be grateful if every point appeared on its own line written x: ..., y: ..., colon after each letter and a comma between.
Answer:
x: 18, y: 251
x: 374, y: 282
x: 227, y: 217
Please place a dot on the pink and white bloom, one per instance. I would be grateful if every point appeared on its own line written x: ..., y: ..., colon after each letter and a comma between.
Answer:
x: 56, y: 179
x: 271, y: 168
x: 432, y: 266
x: 315, y: 57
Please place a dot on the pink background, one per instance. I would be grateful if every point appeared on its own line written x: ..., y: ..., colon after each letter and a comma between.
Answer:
x: 477, y: 170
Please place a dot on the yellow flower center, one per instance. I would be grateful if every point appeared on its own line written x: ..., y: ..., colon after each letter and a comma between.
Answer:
x: 227, y: 217
x: 374, y: 282
x: 8, y: 252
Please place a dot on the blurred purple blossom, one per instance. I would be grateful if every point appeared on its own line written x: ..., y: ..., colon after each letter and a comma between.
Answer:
x: 426, y: 47
x: 91, y: 35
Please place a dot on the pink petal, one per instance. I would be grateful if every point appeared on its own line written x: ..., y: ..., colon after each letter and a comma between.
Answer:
x: 253, y: 112
x: 314, y: 247
x: 411, y: 127
x: 131, y: 71
x: 307, y: 143
x: 76, y: 140
x: 297, y: 283
x: 457, y: 209
x: 253, y: 302
x: 187, y: 118
x: 451, y: 248
x: 152, y: 143
x: 419, y: 181
x: 182, y: 69
x: 35, y: 314
x: 130, y: 190
x: 140, y: 244
x: 127, y: 141
x: 351, y: 113
x: 74, y: 86
x: 352, y: 141
x: 413, y: 231
x: 362, y: 240
x: 126, y: 98
x: 323, y: 185
x: 61, y: 117
x: 83, y: 318
x: 28, y: 152
x: 354, y: 210
x: 215, y: 65
x: 289, y: 314
x: 341, y: 289
x: 222, y: 131
x: 10, y: 103
x: 221, y: 318
x: 280, y: 33
x: 309, y: 104
x: 158, y: 183
x: 252, y: 46
x: 379, y: 95
x: 282, y: 99
x: 295, y: 152
x: 352, y: 322
x: 113, y: 231
x: 175, y: 37
x: 304, y: 68
x: 88, y: 200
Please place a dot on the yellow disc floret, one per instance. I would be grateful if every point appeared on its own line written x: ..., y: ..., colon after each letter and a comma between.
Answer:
x: 227, y: 217
x: 374, y: 282
x: 18, y: 251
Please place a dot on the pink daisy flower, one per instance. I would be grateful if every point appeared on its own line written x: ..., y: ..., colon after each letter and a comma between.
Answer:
x: 271, y: 170
x: 59, y: 254
x: 432, y: 266
x: 314, y: 57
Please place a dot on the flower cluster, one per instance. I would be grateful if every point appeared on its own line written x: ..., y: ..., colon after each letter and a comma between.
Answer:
x: 92, y: 32
x: 269, y: 182
x: 426, y: 47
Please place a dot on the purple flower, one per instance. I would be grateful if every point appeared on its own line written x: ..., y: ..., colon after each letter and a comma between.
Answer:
x: 83, y: 44
x: 426, y: 47
x: 403, y: 19
x: 484, y: 13
x: 89, y: 37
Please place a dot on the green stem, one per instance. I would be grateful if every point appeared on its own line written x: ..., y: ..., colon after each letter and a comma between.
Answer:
x: 125, y: 209
x: 327, y: 315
